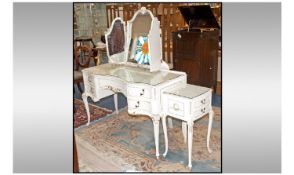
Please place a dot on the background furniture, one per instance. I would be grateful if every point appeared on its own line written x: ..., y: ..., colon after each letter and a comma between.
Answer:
x: 195, y: 49
x: 101, y: 51
x: 196, y: 53
x: 188, y: 104
x: 87, y: 41
x: 82, y: 57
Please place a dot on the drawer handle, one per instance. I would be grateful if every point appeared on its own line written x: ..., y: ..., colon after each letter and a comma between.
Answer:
x: 203, y: 101
x: 137, y: 105
x: 142, y: 93
x: 203, y: 110
x: 115, y: 90
x: 176, y: 107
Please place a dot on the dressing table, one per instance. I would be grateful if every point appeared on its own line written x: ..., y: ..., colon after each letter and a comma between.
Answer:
x: 135, y: 69
x: 140, y: 76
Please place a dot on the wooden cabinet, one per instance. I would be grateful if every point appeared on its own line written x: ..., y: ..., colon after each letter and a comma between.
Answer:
x: 195, y: 52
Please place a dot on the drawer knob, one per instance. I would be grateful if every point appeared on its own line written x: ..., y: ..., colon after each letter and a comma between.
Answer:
x: 203, y: 101
x: 142, y: 93
x: 137, y: 105
x: 176, y: 107
x: 203, y: 110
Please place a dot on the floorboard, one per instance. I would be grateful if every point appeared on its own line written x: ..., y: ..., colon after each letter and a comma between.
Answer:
x: 88, y: 155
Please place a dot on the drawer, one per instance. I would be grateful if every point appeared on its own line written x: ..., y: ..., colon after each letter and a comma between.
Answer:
x: 175, y: 107
x: 204, y: 99
x: 202, y: 110
x: 115, y: 85
x: 140, y: 91
x: 134, y: 104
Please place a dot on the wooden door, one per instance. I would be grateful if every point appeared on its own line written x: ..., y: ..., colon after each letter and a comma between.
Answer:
x: 209, y: 60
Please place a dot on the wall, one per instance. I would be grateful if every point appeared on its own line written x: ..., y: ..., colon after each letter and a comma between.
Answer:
x: 90, y: 20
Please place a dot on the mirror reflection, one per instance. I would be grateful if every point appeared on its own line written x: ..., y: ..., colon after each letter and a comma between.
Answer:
x: 138, y: 44
x: 116, y: 39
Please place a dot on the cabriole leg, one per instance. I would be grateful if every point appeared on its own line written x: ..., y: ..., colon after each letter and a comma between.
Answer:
x: 170, y: 122
x: 85, y: 99
x: 184, y: 131
x: 210, y: 119
x: 115, y: 103
x: 156, y: 136
x: 165, y: 134
x: 190, y: 141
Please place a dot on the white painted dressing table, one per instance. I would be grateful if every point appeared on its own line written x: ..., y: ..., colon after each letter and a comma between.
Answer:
x: 142, y: 88
x: 148, y: 87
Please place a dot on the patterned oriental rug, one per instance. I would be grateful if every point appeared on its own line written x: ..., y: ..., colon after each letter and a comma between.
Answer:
x: 80, y: 116
x: 128, y: 141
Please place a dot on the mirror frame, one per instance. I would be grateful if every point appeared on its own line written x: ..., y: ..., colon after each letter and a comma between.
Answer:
x: 156, y: 54
x: 115, y: 58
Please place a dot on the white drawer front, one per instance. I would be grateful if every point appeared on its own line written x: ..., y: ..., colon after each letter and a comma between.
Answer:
x: 202, y: 110
x: 202, y: 100
x: 140, y: 91
x: 90, y: 87
x: 114, y: 85
x: 175, y: 107
x: 134, y: 104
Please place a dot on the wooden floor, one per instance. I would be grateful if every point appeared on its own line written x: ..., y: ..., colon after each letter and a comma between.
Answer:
x: 90, y: 160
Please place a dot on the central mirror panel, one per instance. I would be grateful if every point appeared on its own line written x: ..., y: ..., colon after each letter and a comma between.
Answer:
x: 138, y: 42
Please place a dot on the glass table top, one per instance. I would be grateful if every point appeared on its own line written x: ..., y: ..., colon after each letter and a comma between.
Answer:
x: 188, y: 91
x: 132, y: 74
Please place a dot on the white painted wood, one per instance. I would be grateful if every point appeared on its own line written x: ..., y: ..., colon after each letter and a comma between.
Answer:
x: 142, y: 89
x: 170, y: 122
x: 188, y: 103
x: 154, y: 39
x: 143, y: 85
x: 85, y: 100
x: 156, y: 134
x: 163, y: 119
x: 155, y: 46
x: 211, y: 114
x: 115, y: 103
x: 184, y: 130
x: 190, y: 143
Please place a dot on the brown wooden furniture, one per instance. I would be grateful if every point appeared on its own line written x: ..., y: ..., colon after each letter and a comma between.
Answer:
x: 195, y: 50
x: 82, y: 57
x: 87, y: 41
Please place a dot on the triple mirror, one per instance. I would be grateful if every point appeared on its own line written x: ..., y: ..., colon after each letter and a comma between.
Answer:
x: 137, y: 44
